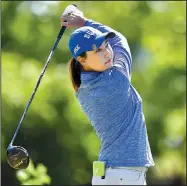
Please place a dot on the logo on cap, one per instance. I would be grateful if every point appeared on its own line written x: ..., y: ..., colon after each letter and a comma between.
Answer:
x: 94, y: 47
x: 89, y: 33
x: 76, y: 49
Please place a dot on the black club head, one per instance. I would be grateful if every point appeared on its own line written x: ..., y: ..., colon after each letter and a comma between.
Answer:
x: 17, y: 157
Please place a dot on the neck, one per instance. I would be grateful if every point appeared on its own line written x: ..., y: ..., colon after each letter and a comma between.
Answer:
x: 87, y: 69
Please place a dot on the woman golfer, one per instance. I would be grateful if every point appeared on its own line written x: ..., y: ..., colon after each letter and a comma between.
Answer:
x: 100, y: 72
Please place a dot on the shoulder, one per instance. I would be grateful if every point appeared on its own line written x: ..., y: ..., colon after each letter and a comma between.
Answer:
x: 108, y: 83
x: 116, y: 75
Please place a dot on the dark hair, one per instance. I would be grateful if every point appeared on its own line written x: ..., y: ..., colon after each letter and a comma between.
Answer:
x: 75, y: 68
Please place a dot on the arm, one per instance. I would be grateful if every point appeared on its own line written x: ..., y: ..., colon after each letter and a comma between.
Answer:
x: 122, y: 54
x: 119, y: 44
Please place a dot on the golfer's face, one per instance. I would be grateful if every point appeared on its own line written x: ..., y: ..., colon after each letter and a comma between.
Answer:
x: 100, y: 59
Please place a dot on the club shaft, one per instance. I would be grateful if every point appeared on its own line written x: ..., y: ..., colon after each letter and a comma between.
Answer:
x: 38, y: 82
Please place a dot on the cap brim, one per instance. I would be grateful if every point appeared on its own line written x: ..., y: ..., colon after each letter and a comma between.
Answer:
x: 101, y: 38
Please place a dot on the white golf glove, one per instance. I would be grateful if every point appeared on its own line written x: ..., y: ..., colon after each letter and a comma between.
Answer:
x: 72, y: 17
x: 71, y: 9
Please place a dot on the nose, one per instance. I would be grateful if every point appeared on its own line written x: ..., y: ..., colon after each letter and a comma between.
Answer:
x: 106, y: 53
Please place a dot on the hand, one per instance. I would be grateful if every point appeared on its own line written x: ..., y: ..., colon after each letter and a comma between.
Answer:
x: 73, y: 20
x: 72, y: 17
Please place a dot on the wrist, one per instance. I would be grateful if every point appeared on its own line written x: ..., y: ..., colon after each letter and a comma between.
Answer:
x: 85, y: 21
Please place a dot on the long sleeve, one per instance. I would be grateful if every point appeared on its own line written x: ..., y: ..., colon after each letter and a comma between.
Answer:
x: 119, y: 44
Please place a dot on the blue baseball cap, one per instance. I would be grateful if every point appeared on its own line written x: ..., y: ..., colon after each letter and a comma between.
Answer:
x: 87, y: 39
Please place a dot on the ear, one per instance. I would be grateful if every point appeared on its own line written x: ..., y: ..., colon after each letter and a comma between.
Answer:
x: 82, y: 60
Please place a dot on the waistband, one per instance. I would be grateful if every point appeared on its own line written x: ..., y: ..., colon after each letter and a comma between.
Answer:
x: 130, y: 168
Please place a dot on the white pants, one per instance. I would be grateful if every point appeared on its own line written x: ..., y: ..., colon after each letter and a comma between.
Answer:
x: 122, y: 176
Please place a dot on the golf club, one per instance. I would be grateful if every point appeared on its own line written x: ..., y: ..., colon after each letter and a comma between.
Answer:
x: 17, y: 156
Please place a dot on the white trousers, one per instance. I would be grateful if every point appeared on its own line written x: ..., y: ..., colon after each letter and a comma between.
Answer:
x: 122, y: 176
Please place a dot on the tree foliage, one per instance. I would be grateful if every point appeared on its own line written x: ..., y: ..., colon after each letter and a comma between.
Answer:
x: 33, y: 175
x: 56, y: 132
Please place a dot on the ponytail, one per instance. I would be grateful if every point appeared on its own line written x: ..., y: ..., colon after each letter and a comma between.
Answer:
x: 75, y: 69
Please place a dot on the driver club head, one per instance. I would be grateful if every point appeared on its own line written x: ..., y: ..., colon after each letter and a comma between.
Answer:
x: 17, y: 157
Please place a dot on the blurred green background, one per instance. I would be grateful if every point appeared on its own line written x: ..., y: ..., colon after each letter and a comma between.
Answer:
x: 56, y: 132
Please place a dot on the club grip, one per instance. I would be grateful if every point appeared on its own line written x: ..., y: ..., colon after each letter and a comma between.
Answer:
x: 58, y: 37
x: 61, y: 32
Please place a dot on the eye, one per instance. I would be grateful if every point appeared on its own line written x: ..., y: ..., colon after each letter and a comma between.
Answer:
x: 107, y: 45
x: 98, y: 49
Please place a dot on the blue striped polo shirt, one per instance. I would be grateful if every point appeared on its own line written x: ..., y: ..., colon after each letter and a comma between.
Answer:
x: 114, y: 108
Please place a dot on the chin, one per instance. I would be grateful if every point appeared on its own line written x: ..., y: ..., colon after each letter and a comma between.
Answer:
x: 107, y: 67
